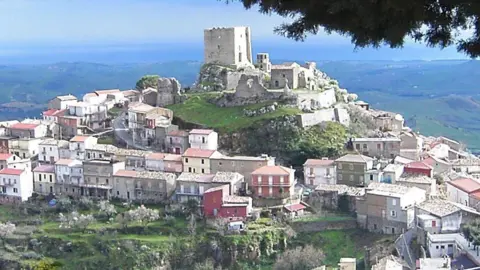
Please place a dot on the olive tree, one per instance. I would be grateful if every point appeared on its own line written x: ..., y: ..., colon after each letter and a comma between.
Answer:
x: 300, y: 258
x: 107, y: 209
x: 6, y: 229
x: 75, y: 220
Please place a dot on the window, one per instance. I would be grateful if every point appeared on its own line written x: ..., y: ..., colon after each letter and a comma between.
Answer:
x: 270, y: 191
x: 186, y: 160
x: 281, y: 179
x: 270, y: 180
x: 351, y: 177
x: 259, y: 179
x: 239, y: 57
x: 340, y: 177
x: 328, y: 171
x: 394, y: 202
x: 259, y: 190
x: 50, y: 176
x: 361, y: 179
x: 15, y: 190
x: 393, y: 213
x: 351, y: 167
x: 203, y: 161
x: 379, y: 146
x: 357, y: 146
x: 364, y: 146
x: 374, y: 226
x: 203, y: 139
x: 189, y: 169
x: 203, y: 170
x: 106, y: 181
x: 118, y: 193
x: 339, y: 166
x: 371, y: 177
x: 311, y: 171
x: 434, y: 223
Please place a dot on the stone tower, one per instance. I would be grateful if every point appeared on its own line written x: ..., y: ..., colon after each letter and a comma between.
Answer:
x: 228, y: 46
x: 263, y: 62
x: 168, y: 90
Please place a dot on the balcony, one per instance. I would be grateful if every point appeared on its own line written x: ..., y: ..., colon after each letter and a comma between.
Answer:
x: 188, y: 191
x: 8, y: 182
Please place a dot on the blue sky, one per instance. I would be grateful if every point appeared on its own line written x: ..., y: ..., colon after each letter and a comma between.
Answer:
x: 27, y: 23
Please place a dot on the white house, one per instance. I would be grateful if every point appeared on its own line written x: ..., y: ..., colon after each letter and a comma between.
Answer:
x: 319, y: 171
x: 459, y: 190
x: 24, y: 147
x: 28, y: 130
x: 69, y: 176
x: 52, y: 115
x: 92, y: 115
x: 79, y: 144
x: 439, y: 150
x: 154, y: 162
x: 61, y: 102
x: 15, y: 185
x: 392, y: 172
x: 203, y: 139
x: 49, y: 150
x: 14, y: 162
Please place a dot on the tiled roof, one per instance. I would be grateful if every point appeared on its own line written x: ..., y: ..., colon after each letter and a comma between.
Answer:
x: 341, y: 189
x: 107, y: 91
x: 50, y: 112
x: 173, y: 157
x: 476, y: 194
x: 64, y: 161
x: 156, y: 156
x: 295, y: 207
x: 5, y: 156
x: 418, y: 165
x: 125, y: 173
x: 201, y: 131
x: 439, y: 208
x: 385, y: 189
x: 130, y: 152
x: 226, y: 177
x: 66, y: 97
x: 234, y: 199
x: 178, y: 133
x: 79, y: 138
x: 128, y: 93
x: 354, y: 158
x: 10, y: 171
x: 213, y: 189
x: 45, y: 168
x: 140, y: 107
x: 195, y: 177
x: 466, y: 184
x: 146, y: 175
x: 319, y: 162
x: 273, y: 170
x: 24, y: 126
x: 199, y: 153
x: 419, y: 179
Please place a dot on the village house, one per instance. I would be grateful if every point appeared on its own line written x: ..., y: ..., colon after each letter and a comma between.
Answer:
x: 69, y: 176
x: 14, y: 162
x: 137, y: 120
x: 4, y: 125
x: 70, y: 126
x: 149, y: 96
x: 44, y: 179
x: 98, y: 177
x: 219, y: 203
x: 100, y: 151
x: 438, y: 165
x: 420, y: 181
x: 437, y: 216
x: 391, y: 173
x: 474, y: 200
x: 24, y: 147
x: 132, y: 96
x: 192, y: 186
x: 173, y: 163
x: 176, y: 142
x: 154, y: 162
x: 402, y: 160
x: 4, y: 144
x: 23, y: 130
x: 388, y: 121
x: 378, y: 147
x: 79, y: 144
x: 459, y: 190
x: 135, y: 160
x: 158, y: 124
x: 328, y: 196
x: 470, y: 165
x: 52, y: 115
x: 93, y: 116
x: 437, y: 149
x: 16, y: 185
x: 273, y: 182
x: 143, y: 186
x: 411, y: 145
x: 418, y: 167
x: 388, y: 208
x: 351, y: 169
x: 451, y: 143
x: 107, y: 96
x: 454, y: 155
x: 243, y: 165
x: 49, y: 150
x: 203, y: 139
x: 197, y: 160
x: 61, y: 102
x: 389, y: 263
x: 319, y: 171
x: 285, y: 74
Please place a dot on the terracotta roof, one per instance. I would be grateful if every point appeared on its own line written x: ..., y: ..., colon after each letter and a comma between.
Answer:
x: 11, y: 171
x: 66, y: 97
x: 79, y: 138
x: 132, y: 92
x: 45, y: 168
x: 232, y: 200
x: 418, y: 165
x: 354, y: 158
x: 64, y: 162
x: 173, y: 157
x: 319, y: 162
x: 476, y: 194
x: 156, y: 156
x: 50, y: 112
x: 24, y: 126
x: 272, y: 170
x: 178, y: 133
x: 125, y: 173
x: 295, y: 207
x: 5, y: 156
x: 201, y: 131
x: 213, y: 189
x: 466, y: 184
x: 105, y: 92
x: 198, y: 153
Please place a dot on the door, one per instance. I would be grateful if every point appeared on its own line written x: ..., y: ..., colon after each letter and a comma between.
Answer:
x: 177, y: 150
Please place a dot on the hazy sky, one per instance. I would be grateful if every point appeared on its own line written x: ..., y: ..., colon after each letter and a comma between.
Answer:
x: 65, y: 22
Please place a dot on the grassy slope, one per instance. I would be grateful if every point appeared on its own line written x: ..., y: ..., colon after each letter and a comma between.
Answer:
x: 197, y: 110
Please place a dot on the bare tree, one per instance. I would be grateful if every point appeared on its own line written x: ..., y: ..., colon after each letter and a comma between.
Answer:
x: 107, y: 209
x: 300, y: 258
x: 6, y: 229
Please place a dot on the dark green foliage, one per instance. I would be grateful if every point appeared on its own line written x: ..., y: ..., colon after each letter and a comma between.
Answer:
x: 374, y: 23
x: 147, y: 81
x: 300, y: 258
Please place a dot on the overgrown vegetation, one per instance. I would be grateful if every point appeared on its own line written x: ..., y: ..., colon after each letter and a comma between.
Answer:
x: 147, y: 81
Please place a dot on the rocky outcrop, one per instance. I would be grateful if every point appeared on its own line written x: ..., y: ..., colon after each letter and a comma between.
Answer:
x: 260, y: 111
x: 168, y: 92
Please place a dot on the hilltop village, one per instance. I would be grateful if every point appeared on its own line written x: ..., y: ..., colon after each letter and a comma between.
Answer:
x: 393, y: 181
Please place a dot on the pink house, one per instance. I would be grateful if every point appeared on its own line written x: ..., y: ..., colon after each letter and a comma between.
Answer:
x: 176, y: 141
x: 273, y: 182
x: 173, y: 163
x: 217, y: 202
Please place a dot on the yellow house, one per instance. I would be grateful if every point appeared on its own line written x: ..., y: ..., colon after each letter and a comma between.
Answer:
x: 44, y: 179
x: 198, y: 160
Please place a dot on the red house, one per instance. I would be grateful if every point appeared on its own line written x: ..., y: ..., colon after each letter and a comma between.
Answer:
x: 217, y: 202
x: 418, y: 167
x: 273, y: 182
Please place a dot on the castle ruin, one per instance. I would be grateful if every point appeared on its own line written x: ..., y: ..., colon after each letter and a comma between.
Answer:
x: 229, y: 46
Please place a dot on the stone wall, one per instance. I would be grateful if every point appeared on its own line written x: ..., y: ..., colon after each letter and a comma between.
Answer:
x: 317, y: 226
x: 332, y: 114
x: 228, y: 46
x: 316, y: 99
x: 169, y: 92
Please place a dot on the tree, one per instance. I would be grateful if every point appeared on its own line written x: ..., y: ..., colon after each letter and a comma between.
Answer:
x: 75, y: 220
x: 85, y: 203
x: 147, y: 81
x: 6, y: 229
x: 374, y: 23
x: 107, y: 209
x: 299, y: 258
x: 192, y: 225
x: 208, y: 264
x: 191, y: 207
x: 144, y: 215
